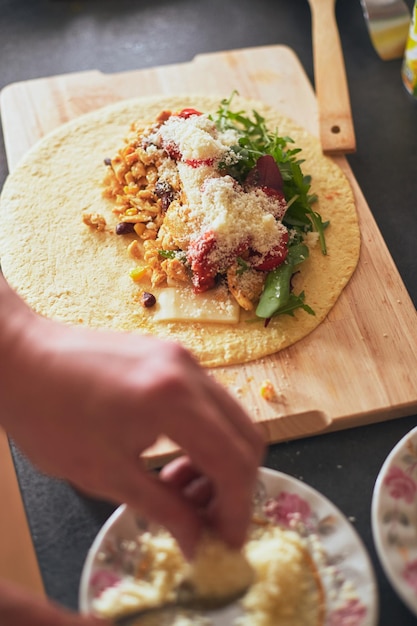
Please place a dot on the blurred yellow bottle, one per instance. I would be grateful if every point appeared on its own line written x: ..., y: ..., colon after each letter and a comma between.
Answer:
x: 409, y: 66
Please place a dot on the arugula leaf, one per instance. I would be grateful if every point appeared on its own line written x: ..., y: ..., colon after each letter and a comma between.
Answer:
x: 243, y: 266
x: 295, y: 302
x: 254, y: 141
x: 173, y: 254
x: 167, y: 254
x: 276, y: 291
x: 276, y: 296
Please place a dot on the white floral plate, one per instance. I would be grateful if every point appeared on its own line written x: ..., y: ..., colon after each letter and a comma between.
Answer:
x: 345, y: 568
x: 394, y: 518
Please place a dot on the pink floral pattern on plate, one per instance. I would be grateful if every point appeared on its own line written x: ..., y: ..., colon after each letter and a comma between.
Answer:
x: 394, y: 518
x: 288, y: 503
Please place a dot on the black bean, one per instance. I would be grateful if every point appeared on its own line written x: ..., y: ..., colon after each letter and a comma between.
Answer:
x: 166, y: 200
x: 148, y: 300
x: 165, y: 192
x: 162, y: 187
x: 124, y: 228
x: 107, y: 161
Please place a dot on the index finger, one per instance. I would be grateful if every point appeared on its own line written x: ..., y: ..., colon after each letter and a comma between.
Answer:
x: 218, y: 450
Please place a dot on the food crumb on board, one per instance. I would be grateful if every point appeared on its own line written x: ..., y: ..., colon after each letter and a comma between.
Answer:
x: 238, y: 391
x: 267, y: 391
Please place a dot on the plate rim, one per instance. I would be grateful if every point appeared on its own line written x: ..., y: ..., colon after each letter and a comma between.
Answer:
x: 384, y: 559
x: 373, y: 604
x: 92, y: 551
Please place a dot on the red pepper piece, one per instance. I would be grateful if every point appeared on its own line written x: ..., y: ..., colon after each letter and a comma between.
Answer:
x: 203, y: 269
x: 186, y: 113
x: 199, y: 162
x: 173, y: 150
x: 275, y: 193
x: 275, y: 257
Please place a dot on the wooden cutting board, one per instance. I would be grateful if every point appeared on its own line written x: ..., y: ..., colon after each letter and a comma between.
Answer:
x: 359, y: 365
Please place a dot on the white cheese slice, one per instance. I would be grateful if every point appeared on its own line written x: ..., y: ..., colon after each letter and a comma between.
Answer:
x: 181, y: 305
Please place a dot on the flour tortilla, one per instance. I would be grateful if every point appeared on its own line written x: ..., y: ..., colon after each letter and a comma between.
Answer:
x: 66, y: 271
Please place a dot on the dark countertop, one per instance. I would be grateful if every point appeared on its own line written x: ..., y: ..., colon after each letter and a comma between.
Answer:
x: 41, y: 38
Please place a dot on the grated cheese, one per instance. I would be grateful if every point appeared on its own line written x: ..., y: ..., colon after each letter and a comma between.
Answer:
x: 236, y: 216
x: 218, y: 203
x: 196, y: 137
x: 284, y: 590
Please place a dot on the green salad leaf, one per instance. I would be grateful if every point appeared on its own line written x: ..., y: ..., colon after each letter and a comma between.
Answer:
x: 277, y: 297
x: 256, y: 140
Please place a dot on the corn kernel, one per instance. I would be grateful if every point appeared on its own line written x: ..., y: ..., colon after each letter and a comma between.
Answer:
x: 267, y: 391
x: 145, y: 194
x: 139, y: 228
x: 149, y: 234
x: 131, y: 158
x: 138, y: 273
x: 134, y: 249
x: 132, y: 219
x: 130, y: 189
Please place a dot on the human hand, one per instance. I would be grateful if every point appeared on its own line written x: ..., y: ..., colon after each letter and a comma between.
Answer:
x: 93, y: 401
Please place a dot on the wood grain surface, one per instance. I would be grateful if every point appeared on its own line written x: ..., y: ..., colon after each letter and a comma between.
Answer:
x: 359, y: 365
x: 337, y: 134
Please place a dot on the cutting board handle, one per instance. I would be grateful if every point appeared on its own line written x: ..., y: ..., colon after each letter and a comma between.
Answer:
x: 337, y: 134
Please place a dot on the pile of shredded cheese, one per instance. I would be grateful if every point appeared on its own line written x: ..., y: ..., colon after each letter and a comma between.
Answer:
x: 217, y: 202
x: 285, y: 589
x: 159, y: 572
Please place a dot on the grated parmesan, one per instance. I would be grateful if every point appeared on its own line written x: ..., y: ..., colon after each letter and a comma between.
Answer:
x: 196, y: 137
x: 285, y: 589
x: 218, y: 203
